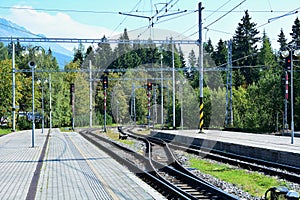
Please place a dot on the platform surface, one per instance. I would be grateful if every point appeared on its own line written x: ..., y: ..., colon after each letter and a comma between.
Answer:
x: 280, y: 143
x: 72, y: 168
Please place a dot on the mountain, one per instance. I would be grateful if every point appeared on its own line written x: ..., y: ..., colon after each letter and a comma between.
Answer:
x: 10, y: 29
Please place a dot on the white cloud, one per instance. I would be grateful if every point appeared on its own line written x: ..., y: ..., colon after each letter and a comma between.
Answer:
x: 58, y: 25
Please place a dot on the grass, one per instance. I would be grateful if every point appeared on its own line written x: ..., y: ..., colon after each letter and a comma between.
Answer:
x: 115, y: 136
x: 4, y: 131
x: 254, y: 183
x: 143, y: 131
x: 65, y: 129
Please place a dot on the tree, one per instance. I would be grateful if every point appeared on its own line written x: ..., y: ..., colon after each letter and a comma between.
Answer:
x: 221, y: 54
x: 265, y: 55
x: 3, y: 52
x: 282, y: 40
x: 192, y: 60
x: 208, y: 47
x: 245, y: 48
x: 220, y: 57
x: 296, y: 32
x: 104, y: 54
x: 78, y: 53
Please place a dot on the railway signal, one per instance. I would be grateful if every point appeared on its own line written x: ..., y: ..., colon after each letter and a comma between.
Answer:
x: 149, y: 86
x: 288, y: 63
x: 105, y: 82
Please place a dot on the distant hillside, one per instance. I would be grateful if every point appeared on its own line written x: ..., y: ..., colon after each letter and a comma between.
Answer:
x: 10, y: 29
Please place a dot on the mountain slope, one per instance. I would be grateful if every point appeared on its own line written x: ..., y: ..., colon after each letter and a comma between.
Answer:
x: 10, y: 29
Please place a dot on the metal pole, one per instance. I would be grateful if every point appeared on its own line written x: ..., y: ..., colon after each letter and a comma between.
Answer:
x: 148, y: 109
x: 91, y: 92
x: 277, y: 122
x: 155, y: 108
x: 33, y: 115
x: 73, y: 109
x: 173, y: 76
x: 117, y: 113
x: 227, y: 86
x: 134, y: 111
x: 230, y: 84
x: 104, y: 109
x: 201, y: 120
x: 292, y: 100
x: 13, y: 89
x: 162, y: 91
x: 181, y: 106
x: 131, y: 102
x: 50, y: 90
x: 43, y: 125
x: 285, y: 122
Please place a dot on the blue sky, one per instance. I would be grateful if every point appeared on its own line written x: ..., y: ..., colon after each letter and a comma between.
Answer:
x: 103, y: 17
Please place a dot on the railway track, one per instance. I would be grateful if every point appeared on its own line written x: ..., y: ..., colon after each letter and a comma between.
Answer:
x: 286, y: 172
x: 158, y: 168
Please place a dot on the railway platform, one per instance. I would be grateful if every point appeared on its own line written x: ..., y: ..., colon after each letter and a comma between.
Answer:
x: 63, y: 165
x: 263, y: 146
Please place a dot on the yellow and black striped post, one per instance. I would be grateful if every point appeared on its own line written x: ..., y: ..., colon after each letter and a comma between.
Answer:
x: 201, y: 121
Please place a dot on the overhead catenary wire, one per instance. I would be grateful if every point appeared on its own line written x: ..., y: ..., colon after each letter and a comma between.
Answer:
x: 134, y: 8
x: 116, y: 12
x: 225, y: 14
x: 217, y: 10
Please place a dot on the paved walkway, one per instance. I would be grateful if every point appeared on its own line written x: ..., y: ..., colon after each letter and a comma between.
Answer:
x: 282, y: 143
x: 72, y: 168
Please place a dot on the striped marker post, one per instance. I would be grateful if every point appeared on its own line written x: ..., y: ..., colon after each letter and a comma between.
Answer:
x: 201, y: 116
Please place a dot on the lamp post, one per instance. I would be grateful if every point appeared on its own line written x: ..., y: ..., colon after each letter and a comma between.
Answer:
x: 13, y: 89
x: 32, y: 65
x: 285, y: 54
x: 50, y: 90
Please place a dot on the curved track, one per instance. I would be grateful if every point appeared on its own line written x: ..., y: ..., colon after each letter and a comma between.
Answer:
x: 289, y: 173
x: 166, y: 177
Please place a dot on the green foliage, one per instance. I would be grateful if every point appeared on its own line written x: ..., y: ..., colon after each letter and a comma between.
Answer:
x: 245, y: 47
x: 257, y: 84
x: 254, y: 183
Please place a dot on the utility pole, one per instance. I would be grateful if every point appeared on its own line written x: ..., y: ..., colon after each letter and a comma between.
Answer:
x: 50, y: 89
x: 201, y: 121
x: 173, y: 82
x: 13, y: 89
x: 91, y: 92
x: 162, y: 90
x: 227, y: 87
x: 230, y: 82
x: 228, y: 117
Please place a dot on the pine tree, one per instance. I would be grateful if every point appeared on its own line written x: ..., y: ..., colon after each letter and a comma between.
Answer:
x: 245, y: 48
x: 266, y: 56
x: 220, y: 57
x: 78, y: 53
x: 296, y: 32
x: 221, y: 54
x: 208, y: 47
x: 104, y: 54
x: 192, y: 59
x: 282, y: 40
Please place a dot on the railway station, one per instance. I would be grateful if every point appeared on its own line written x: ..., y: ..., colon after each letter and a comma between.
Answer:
x: 141, y: 100
x: 64, y: 166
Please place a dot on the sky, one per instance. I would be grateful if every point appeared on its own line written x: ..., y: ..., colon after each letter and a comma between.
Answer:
x: 95, y: 18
